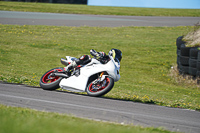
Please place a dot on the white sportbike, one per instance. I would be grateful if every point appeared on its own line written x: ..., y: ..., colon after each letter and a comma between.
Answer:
x: 95, y: 78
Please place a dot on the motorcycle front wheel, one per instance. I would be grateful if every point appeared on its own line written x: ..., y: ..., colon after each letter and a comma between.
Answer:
x: 47, y: 82
x: 100, y: 89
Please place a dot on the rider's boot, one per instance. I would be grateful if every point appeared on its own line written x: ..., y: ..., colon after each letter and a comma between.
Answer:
x: 71, y: 66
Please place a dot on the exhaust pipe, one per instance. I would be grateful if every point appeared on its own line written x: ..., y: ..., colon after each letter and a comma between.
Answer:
x: 60, y: 75
x: 64, y: 61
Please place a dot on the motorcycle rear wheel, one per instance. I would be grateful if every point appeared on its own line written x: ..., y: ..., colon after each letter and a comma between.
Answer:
x: 109, y: 83
x: 51, y: 83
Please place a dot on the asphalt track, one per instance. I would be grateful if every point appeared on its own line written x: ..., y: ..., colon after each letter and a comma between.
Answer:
x: 104, y: 109
x: 32, y: 18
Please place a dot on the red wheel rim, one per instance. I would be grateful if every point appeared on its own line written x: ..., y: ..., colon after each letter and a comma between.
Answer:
x: 100, y: 89
x: 46, y: 79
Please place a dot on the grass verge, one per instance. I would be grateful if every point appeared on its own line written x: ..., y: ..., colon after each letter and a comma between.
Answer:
x: 99, y: 10
x: 21, y: 120
x: 26, y: 52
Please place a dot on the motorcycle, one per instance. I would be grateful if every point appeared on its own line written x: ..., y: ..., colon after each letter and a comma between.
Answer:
x: 95, y: 78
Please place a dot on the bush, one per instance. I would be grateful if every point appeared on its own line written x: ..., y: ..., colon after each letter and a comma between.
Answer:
x: 192, y: 39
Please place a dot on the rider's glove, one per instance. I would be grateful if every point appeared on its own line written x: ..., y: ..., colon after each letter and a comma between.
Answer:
x: 97, y: 55
x: 101, y: 54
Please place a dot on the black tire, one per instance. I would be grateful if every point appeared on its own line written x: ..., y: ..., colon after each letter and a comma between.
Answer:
x: 185, y: 51
x: 179, y: 41
x: 194, y: 53
x: 178, y: 61
x: 178, y: 52
x: 184, y: 69
x: 184, y: 60
x: 192, y: 71
x: 198, y: 56
x: 48, y: 83
x: 101, y: 91
x: 198, y: 66
x: 193, y: 63
x: 198, y: 74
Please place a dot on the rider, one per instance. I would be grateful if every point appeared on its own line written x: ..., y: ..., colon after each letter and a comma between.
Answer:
x: 101, y: 56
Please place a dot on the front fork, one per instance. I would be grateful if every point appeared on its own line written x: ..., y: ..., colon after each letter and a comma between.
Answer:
x: 99, y: 79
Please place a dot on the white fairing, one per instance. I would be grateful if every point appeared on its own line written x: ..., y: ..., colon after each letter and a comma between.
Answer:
x: 79, y: 83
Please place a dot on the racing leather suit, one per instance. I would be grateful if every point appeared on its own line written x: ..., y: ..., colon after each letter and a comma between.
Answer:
x: 83, y: 60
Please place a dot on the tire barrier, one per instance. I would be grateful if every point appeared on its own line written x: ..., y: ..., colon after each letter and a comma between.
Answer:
x: 188, y: 58
x: 198, y: 65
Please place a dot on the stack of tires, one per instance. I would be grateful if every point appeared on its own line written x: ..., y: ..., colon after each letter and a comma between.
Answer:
x: 198, y: 65
x: 182, y: 62
x: 179, y: 42
x: 188, y: 58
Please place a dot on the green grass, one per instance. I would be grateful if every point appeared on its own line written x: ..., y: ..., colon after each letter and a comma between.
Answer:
x: 19, y: 120
x: 84, y: 9
x: 27, y: 52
